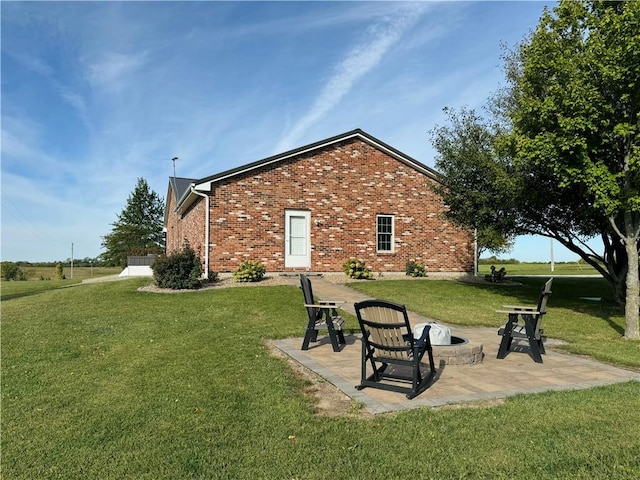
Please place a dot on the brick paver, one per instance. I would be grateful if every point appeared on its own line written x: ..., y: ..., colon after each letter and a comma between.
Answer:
x: 491, y: 379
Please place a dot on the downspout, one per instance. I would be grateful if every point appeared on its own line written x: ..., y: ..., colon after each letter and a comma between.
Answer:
x: 206, y: 230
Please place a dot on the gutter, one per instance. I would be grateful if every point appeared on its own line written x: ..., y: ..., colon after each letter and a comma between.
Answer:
x: 206, y: 229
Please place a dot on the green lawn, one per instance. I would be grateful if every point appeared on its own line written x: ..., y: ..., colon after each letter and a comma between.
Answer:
x: 44, y: 273
x: 565, y: 268
x: 103, y: 381
x: 40, y: 279
x: 591, y: 327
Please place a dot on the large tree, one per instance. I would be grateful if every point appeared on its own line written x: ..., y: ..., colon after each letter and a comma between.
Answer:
x: 479, y: 186
x: 575, y: 93
x: 567, y: 125
x: 138, y: 229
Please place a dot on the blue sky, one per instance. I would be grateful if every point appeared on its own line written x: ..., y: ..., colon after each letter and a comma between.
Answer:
x: 97, y: 94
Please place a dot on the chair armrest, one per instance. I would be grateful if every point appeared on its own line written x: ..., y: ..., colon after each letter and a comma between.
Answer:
x: 519, y: 312
x: 323, y: 306
x: 518, y: 307
x: 424, y: 338
x: 331, y: 302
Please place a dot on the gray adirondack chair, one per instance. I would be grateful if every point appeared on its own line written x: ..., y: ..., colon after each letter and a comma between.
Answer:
x: 322, y: 315
x: 525, y: 322
x: 389, y: 348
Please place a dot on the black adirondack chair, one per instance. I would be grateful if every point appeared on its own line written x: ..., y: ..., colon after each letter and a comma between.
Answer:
x: 530, y: 328
x: 389, y: 347
x: 322, y: 315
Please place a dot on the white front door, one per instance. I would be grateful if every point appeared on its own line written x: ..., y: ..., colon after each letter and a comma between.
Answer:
x: 297, y: 239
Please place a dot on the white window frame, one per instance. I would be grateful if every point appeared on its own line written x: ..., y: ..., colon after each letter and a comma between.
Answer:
x: 379, y: 233
x: 298, y: 259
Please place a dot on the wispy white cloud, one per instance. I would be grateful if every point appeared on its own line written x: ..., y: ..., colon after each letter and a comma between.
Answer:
x: 96, y: 94
x: 22, y: 150
x: 31, y: 62
x: 114, y: 69
x: 363, y: 58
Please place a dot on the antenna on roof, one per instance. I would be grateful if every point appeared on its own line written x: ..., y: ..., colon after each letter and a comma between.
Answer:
x: 174, y: 166
x: 174, y: 177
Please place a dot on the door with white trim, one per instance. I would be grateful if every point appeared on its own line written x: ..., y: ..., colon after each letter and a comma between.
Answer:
x: 297, y: 239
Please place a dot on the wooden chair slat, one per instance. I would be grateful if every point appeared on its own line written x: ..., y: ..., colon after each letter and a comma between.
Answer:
x: 388, y: 348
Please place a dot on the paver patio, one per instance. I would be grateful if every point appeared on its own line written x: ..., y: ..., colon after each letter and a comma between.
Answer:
x: 489, y: 380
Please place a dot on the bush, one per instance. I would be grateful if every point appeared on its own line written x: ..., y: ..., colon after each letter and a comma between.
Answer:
x: 357, y: 269
x: 60, y: 271
x: 180, y: 270
x: 415, y: 269
x: 11, y: 271
x: 249, y: 271
x: 213, y: 277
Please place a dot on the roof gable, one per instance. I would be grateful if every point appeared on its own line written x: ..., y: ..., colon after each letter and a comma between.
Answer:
x: 186, y: 195
x: 206, y: 183
x: 180, y: 188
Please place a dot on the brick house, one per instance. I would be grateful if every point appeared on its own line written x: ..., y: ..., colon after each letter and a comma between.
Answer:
x: 311, y: 208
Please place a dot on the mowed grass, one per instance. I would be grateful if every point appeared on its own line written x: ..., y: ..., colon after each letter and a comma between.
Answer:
x: 44, y: 278
x: 589, y: 327
x: 104, y: 381
x: 564, y: 268
x: 46, y: 273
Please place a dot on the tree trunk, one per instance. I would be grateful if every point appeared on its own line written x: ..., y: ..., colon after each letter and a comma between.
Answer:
x: 612, y: 265
x: 632, y: 305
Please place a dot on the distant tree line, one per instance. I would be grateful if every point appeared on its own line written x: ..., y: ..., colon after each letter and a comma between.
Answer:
x: 15, y: 270
x: 77, y: 262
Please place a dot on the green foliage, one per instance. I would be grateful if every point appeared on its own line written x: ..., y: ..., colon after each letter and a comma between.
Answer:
x: 493, y: 259
x: 138, y: 229
x: 573, y: 104
x: 415, y: 269
x: 249, y: 271
x: 575, y: 91
x: 560, y: 156
x: 11, y: 271
x: 177, y: 271
x: 479, y: 189
x: 356, y: 269
x: 60, y: 272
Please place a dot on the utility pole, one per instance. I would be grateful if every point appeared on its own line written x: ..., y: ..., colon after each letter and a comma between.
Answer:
x: 71, y: 259
x: 175, y: 194
x: 551, y: 247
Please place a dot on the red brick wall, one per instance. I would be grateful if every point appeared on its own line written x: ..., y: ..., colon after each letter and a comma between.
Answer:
x: 344, y: 186
x: 171, y: 225
x: 186, y: 228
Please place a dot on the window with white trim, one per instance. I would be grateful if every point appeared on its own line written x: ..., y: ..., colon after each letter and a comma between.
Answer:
x: 384, y: 233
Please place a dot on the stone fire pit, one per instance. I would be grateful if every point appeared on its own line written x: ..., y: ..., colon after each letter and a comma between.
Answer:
x: 450, y: 349
x: 460, y: 352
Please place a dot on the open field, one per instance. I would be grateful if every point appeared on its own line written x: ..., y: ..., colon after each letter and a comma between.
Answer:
x: 79, y: 273
x: 104, y: 381
x: 49, y: 281
x: 514, y: 269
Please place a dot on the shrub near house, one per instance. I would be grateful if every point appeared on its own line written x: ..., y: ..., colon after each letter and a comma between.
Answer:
x: 179, y: 270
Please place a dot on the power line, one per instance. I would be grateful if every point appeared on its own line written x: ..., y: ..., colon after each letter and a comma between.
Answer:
x: 23, y: 221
